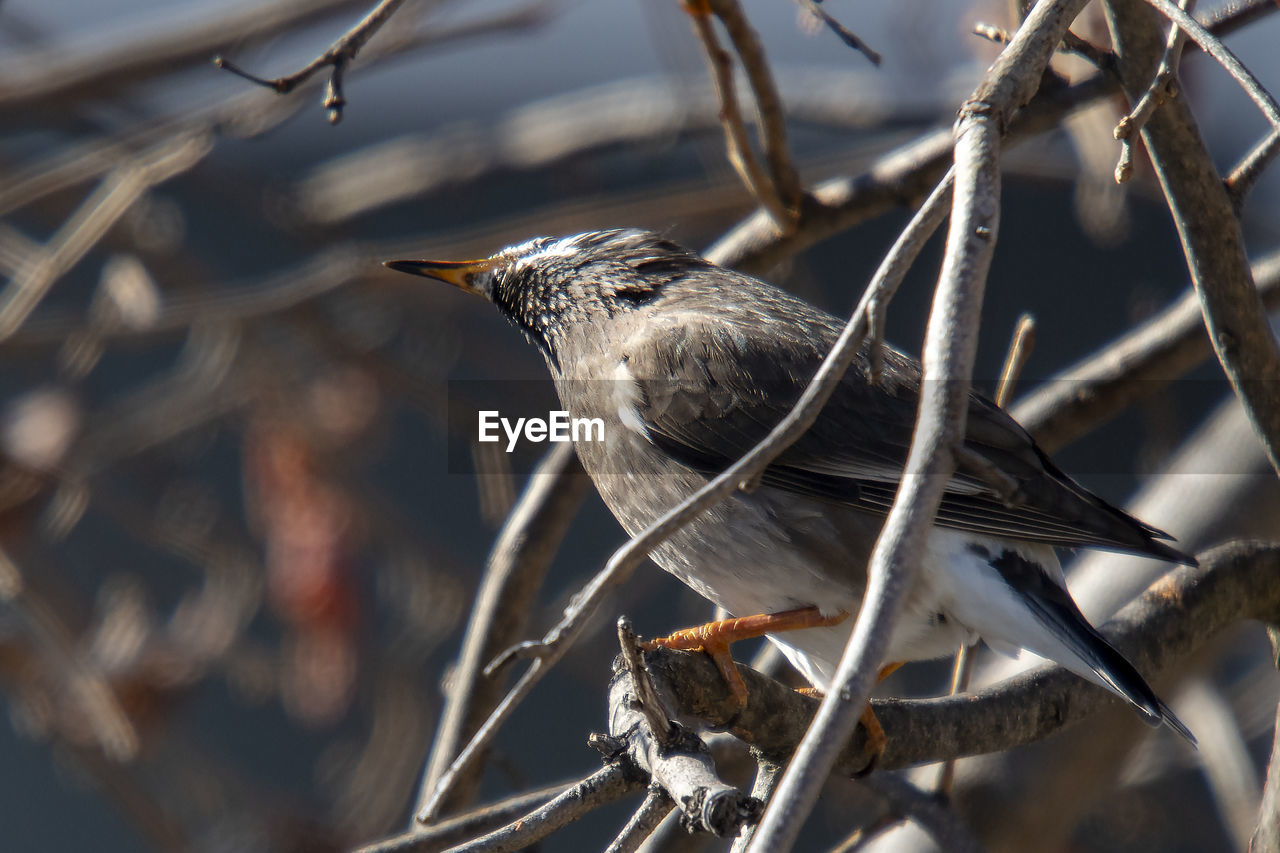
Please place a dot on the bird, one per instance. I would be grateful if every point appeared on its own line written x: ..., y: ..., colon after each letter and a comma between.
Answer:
x: 689, y: 365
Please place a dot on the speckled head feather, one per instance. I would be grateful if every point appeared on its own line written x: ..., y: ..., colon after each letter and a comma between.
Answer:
x: 548, y: 285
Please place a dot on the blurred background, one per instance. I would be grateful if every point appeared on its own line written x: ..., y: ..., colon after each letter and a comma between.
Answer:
x: 235, y: 555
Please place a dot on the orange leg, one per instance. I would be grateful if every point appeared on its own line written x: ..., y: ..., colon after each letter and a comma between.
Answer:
x: 876, y: 738
x: 714, y: 638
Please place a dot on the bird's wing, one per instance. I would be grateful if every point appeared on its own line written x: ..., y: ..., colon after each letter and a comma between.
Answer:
x: 708, y: 392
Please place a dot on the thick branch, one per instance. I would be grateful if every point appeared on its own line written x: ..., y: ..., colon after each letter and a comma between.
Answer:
x: 1178, y: 615
x: 678, y: 762
x: 1208, y: 228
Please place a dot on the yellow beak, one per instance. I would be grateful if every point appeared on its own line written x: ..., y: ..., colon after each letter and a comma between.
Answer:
x: 461, y: 274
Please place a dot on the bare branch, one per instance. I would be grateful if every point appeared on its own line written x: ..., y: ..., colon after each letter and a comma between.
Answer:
x: 642, y: 823
x: 737, y: 144
x: 457, y: 829
x: 773, y: 122
x: 1206, y: 221
x: 755, y: 245
x: 65, y: 74
x: 846, y: 35
x: 1024, y: 341
x: 678, y: 762
x: 1215, y: 48
x: 513, y: 574
x: 339, y: 54
x: 898, y: 178
x: 608, y: 784
x: 1245, y: 174
x: 1163, y: 85
x: 646, y: 700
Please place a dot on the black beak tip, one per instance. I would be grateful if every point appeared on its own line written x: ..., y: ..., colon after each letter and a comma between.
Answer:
x: 411, y: 267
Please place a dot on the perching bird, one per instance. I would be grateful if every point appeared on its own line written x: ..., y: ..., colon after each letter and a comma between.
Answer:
x: 689, y: 365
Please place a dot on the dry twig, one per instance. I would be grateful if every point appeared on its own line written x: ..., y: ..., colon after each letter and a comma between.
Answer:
x: 654, y: 809
x: 337, y: 57
x: 1164, y: 85
x: 514, y: 571
x: 737, y: 143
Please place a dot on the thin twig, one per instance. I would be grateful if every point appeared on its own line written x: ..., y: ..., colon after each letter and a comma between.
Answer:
x: 243, y: 114
x: 339, y: 54
x: 950, y: 348
x: 642, y: 823
x: 1245, y: 173
x: 846, y: 35
x: 1024, y: 336
x: 1211, y: 45
x: 961, y: 674
x: 513, y: 573
x: 899, y: 177
x: 755, y: 244
x: 1163, y: 85
x: 464, y: 826
x: 606, y: 785
x: 737, y: 143
x: 66, y: 74
x: 1024, y: 341
x: 768, y: 774
x: 1099, y: 58
x: 651, y: 704
x: 773, y: 122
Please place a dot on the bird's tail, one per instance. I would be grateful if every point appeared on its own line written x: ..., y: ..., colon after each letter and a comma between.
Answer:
x: 1089, y: 653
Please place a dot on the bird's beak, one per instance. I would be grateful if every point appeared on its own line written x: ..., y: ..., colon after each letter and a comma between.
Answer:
x: 461, y: 274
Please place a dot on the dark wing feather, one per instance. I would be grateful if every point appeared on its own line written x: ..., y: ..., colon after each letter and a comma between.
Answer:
x: 710, y: 391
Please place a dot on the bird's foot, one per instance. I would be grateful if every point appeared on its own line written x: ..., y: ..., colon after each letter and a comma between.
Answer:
x: 715, y: 638
x: 876, y: 738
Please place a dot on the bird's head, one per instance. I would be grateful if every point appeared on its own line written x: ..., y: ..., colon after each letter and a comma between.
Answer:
x: 549, y: 285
